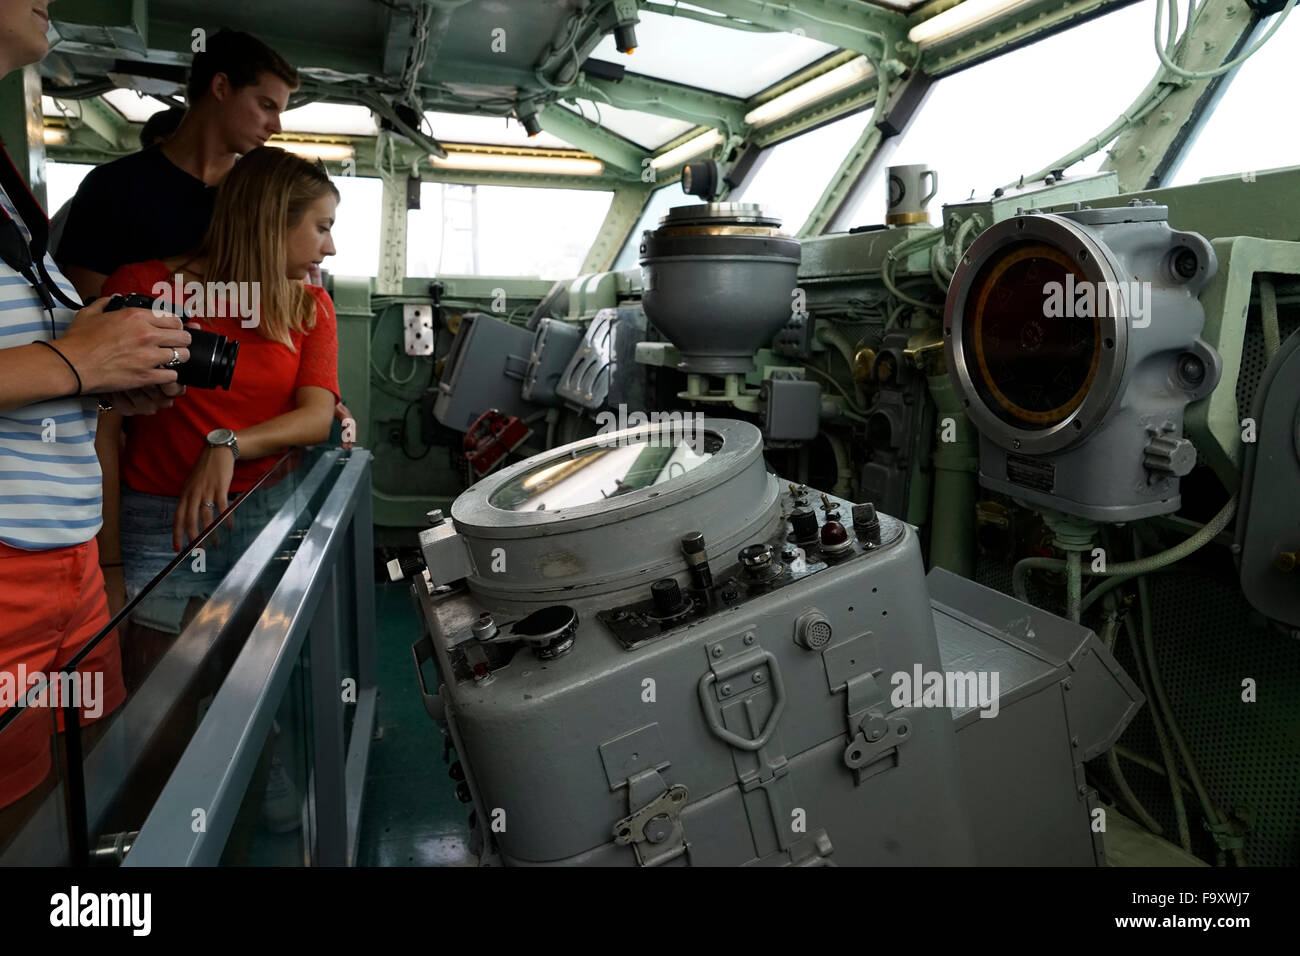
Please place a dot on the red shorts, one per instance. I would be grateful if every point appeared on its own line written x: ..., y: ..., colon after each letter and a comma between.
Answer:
x: 51, y: 603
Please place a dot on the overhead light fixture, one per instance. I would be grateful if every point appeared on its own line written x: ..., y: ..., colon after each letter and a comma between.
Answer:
x: 819, y: 87
x: 328, y: 152
x: 526, y: 113
x: 625, y: 38
x: 692, y: 147
x: 958, y: 19
x: 511, y: 163
x: 57, y: 136
x: 624, y: 27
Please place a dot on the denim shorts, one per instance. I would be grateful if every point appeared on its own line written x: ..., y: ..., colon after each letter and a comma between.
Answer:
x: 146, y: 534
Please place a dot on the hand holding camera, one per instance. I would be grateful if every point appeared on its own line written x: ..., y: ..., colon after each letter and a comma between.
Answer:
x: 118, y: 353
x: 210, y: 360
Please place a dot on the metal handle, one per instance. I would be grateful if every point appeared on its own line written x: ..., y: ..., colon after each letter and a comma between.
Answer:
x: 741, y: 663
x: 421, y: 651
x: 934, y: 185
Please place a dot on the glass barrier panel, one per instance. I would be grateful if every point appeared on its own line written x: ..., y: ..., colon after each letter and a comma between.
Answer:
x: 32, y: 777
x: 275, y: 825
x: 182, y: 632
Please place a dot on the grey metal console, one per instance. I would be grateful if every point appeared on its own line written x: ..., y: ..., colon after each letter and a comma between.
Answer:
x: 704, y: 665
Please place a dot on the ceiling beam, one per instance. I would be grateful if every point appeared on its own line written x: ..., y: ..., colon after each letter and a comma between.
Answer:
x: 849, y: 24
x: 1148, y: 152
x: 1004, y: 33
x: 663, y: 98
x: 624, y: 212
x: 177, y: 39
x: 98, y: 117
x: 398, y: 40
x: 609, y: 148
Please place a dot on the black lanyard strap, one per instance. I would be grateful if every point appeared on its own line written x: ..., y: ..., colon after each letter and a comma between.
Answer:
x: 28, y: 260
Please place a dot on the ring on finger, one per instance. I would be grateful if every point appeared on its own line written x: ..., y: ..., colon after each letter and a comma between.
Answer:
x: 176, y: 360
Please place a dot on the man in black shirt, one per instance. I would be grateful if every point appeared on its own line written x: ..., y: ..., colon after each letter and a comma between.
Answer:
x: 157, y: 203
x: 155, y: 130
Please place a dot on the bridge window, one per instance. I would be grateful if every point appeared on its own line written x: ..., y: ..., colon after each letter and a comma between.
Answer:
x: 61, y: 182
x: 661, y: 200
x: 502, y: 230
x: 985, y: 126
x: 356, y: 227
x: 1242, y: 135
x: 791, y: 176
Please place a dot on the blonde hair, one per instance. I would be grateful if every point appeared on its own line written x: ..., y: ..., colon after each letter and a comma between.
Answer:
x: 266, y: 194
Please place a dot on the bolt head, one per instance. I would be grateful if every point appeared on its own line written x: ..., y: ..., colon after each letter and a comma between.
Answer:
x: 726, y: 690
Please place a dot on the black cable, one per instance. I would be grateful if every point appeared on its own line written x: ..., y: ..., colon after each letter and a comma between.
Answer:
x: 428, y: 448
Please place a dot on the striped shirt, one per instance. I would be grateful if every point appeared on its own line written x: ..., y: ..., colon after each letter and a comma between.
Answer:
x: 51, y: 491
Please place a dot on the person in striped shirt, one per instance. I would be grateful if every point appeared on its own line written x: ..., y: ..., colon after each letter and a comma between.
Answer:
x: 54, y: 362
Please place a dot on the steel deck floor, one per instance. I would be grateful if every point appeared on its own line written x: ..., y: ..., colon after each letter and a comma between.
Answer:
x: 410, y: 816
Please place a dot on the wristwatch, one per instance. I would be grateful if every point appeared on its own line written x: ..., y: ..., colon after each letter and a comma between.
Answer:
x: 224, y: 436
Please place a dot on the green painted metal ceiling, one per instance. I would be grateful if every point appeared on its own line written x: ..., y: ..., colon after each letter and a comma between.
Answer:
x: 700, y: 66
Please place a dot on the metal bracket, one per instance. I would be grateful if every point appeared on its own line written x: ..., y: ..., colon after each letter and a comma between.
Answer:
x: 813, y: 850
x: 875, y: 738
x: 655, y: 829
x: 418, y: 322
x: 875, y: 747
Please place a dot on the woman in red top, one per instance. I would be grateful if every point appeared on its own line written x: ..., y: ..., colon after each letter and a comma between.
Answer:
x: 270, y: 226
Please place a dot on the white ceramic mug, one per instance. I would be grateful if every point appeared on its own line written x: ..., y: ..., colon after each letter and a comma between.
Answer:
x: 907, y: 201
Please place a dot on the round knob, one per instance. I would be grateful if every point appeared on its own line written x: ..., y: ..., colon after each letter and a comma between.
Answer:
x: 804, y: 522
x: 399, y: 569
x: 667, y: 596
x: 757, y: 562
x: 693, y: 543
x: 1170, y: 456
x: 484, y: 629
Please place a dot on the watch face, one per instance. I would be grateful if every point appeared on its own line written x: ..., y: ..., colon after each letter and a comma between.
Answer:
x: 220, y: 436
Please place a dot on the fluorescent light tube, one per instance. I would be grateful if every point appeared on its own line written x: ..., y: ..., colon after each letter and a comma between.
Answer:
x: 819, y: 87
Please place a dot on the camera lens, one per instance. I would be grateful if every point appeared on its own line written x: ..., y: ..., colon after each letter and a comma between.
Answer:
x: 212, y: 356
x: 212, y: 361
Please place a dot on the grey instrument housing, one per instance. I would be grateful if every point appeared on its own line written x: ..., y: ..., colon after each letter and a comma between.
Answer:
x: 1119, y: 454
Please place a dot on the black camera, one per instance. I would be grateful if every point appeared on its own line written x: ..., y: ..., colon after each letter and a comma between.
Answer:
x: 212, y: 356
